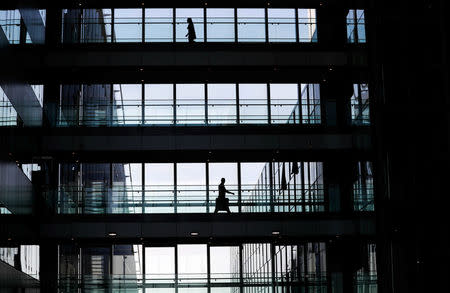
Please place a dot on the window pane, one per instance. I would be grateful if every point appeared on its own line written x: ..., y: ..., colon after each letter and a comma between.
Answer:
x: 255, y: 187
x: 253, y: 103
x: 159, y: 188
x: 127, y: 263
x: 284, y: 103
x: 127, y: 188
x: 95, y: 265
x: 10, y: 24
x: 8, y: 115
x: 281, y: 25
x: 127, y: 104
x: 159, y: 25
x: 127, y: 25
x: 220, y: 24
x: 191, y: 187
x: 160, y: 265
x: 251, y: 25
x: 217, y: 171
x: 192, y: 263
x: 307, y: 25
x: 159, y: 104
x: 224, y: 264
x: 222, y: 104
x: 95, y: 188
x: 182, y: 14
x: 190, y: 102
x: 310, y: 98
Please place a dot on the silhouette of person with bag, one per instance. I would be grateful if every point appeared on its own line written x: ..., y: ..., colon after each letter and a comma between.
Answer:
x: 191, y: 31
x: 222, y: 203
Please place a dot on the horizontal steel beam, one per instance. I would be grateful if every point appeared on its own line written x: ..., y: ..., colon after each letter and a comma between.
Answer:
x: 237, y: 227
x: 127, y: 142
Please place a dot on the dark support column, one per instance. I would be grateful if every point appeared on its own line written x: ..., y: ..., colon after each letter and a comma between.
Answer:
x: 340, y: 175
x: 34, y: 23
x: 51, y: 104
x: 49, y: 267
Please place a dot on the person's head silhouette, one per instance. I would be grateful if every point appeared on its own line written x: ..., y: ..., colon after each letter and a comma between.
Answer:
x: 222, y: 180
x: 189, y: 20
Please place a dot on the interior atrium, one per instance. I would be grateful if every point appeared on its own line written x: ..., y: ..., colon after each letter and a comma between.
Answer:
x: 224, y: 146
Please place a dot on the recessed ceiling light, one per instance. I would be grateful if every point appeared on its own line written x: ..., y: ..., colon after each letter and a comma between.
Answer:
x: 275, y: 232
x: 194, y: 233
x: 112, y: 234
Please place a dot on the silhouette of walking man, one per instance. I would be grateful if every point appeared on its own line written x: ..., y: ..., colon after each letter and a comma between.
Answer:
x: 222, y: 203
x: 191, y: 31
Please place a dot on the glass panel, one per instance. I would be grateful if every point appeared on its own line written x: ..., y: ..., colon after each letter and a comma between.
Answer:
x: 8, y: 115
x: 127, y: 25
x: 191, y: 187
x: 159, y: 104
x: 159, y: 188
x: 87, y: 25
x: 127, y: 104
x: 190, y: 103
x: 284, y: 103
x: 183, y: 33
x: 159, y: 25
x: 251, y: 25
x: 281, y: 25
x: 360, y: 104
x: 257, y: 263
x: 224, y: 264
x: 96, y: 266
x: 96, y: 189
x: 310, y: 98
x: 363, y: 191
x: 228, y: 171
x: 361, y: 27
x: 307, y: 25
x: 192, y: 263
x: 220, y: 24
x: 127, y: 188
x: 94, y: 104
x: 222, y: 103
x: 10, y: 23
x: 253, y: 103
x: 313, y: 187
x: 255, y: 187
x: 127, y: 265
x: 69, y: 267
x: 160, y: 265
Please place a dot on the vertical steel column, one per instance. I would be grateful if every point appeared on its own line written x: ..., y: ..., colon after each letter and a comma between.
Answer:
x: 175, y: 203
x: 271, y: 186
x: 205, y: 33
x: 236, y: 38
x: 205, y: 101
x: 174, y: 90
x: 208, y: 267
x: 297, y: 23
x: 300, y: 110
x: 143, y: 188
x: 269, y: 110
x: 207, y: 187
x: 266, y: 23
x: 238, y: 116
x: 143, y: 24
x: 239, y: 187
x: 174, y: 28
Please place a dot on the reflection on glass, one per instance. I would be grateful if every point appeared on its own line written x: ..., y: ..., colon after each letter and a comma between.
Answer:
x: 363, y: 192
x: 253, y: 103
x: 356, y: 32
x: 10, y: 24
x: 310, y: 100
x: 192, y: 263
x: 284, y: 103
x: 127, y: 25
x: 95, y: 266
x: 307, y: 25
x: 359, y: 103
x: 127, y: 265
x: 222, y: 103
x: 220, y: 24
x: 159, y: 188
x: 182, y: 14
x: 190, y: 102
x: 159, y: 25
x: 160, y: 265
x: 251, y: 25
x: 8, y: 115
x: 281, y: 25
x: 159, y: 104
x: 127, y: 104
x: 127, y: 188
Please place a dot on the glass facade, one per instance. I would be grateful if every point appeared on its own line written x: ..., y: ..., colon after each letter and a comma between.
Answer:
x: 363, y: 189
x: 24, y: 258
x: 245, y: 267
x: 15, y: 29
x: 189, y: 104
x: 8, y: 115
x: 360, y: 106
x: 118, y: 188
x: 170, y: 25
x: 356, y: 26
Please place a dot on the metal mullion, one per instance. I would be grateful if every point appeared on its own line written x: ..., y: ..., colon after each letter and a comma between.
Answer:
x: 143, y: 264
x: 235, y: 26
x: 241, y: 268
x: 143, y: 187
x: 238, y: 116
x: 302, y: 179
x: 269, y: 110
x: 297, y: 24
x: 300, y: 120
x: 272, y: 257
x: 205, y: 101
x: 174, y: 93
x: 112, y: 25
x: 207, y: 186
x: 266, y: 23
x: 205, y: 37
x: 271, y: 187
x: 143, y: 103
x: 175, y: 189
x: 176, y: 267
x: 143, y: 25
x: 239, y: 187
x: 208, y: 267
x: 174, y: 21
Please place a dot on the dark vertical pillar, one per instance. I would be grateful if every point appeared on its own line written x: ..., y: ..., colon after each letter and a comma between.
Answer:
x: 339, y: 177
x: 48, y: 267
